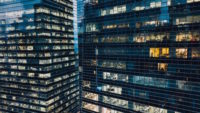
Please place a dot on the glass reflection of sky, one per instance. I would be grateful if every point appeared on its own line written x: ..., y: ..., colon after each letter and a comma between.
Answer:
x: 75, y: 25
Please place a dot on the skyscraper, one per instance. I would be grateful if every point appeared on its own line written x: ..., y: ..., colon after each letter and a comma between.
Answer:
x: 141, y: 56
x: 37, y: 58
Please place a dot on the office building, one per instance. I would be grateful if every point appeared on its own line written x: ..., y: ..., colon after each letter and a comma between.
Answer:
x: 38, y: 72
x: 141, y: 56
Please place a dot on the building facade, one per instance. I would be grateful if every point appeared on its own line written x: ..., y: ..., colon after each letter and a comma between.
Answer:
x: 37, y: 58
x: 141, y: 56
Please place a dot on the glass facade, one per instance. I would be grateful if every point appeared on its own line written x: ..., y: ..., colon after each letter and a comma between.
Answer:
x: 38, y: 71
x: 140, y: 56
x: 80, y: 25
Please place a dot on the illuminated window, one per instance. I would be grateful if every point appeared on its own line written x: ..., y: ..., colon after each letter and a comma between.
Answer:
x: 190, y: 1
x: 139, y: 38
x: 113, y: 10
x: 159, y: 52
x: 138, y: 8
x: 86, y: 84
x: 183, y: 37
x: 150, y: 23
x: 155, y: 4
x: 91, y: 27
x: 164, y: 52
x: 47, y: 75
x: 191, y: 36
x: 188, y: 20
x: 107, y: 110
x: 162, y: 67
x: 115, y: 39
x: 4, y: 1
x: 123, y: 25
x: 195, y: 52
x: 112, y: 89
x: 181, y: 84
x: 181, y: 53
x: 115, y: 101
x: 154, y: 52
x: 115, y: 76
x: 91, y: 107
x: 114, y: 64
x: 90, y: 62
x: 92, y: 96
x: 110, y: 26
x: 148, y: 109
x: 92, y: 1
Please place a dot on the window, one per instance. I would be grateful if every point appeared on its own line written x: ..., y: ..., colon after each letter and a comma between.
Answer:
x: 155, y: 4
x: 188, y: 36
x: 154, y: 52
x: 188, y: 20
x: 181, y: 53
x: 115, y: 101
x: 91, y: 107
x: 112, y: 89
x: 47, y: 75
x: 114, y: 64
x: 181, y: 84
x: 159, y: 52
x: 190, y: 1
x: 115, y: 39
x: 183, y: 37
x: 93, y: 1
x: 91, y: 27
x: 112, y: 26
x: 139, y: 38
x: 164, y: 52
x: 195, y: 52
x: 86, y: 84
x: 152, y: 37
x: 148, y: 109
x: 91, y: 96
x: 113, y: 10
x: 107, y: 110
x: 115, y: 76
x: 162, y: 67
